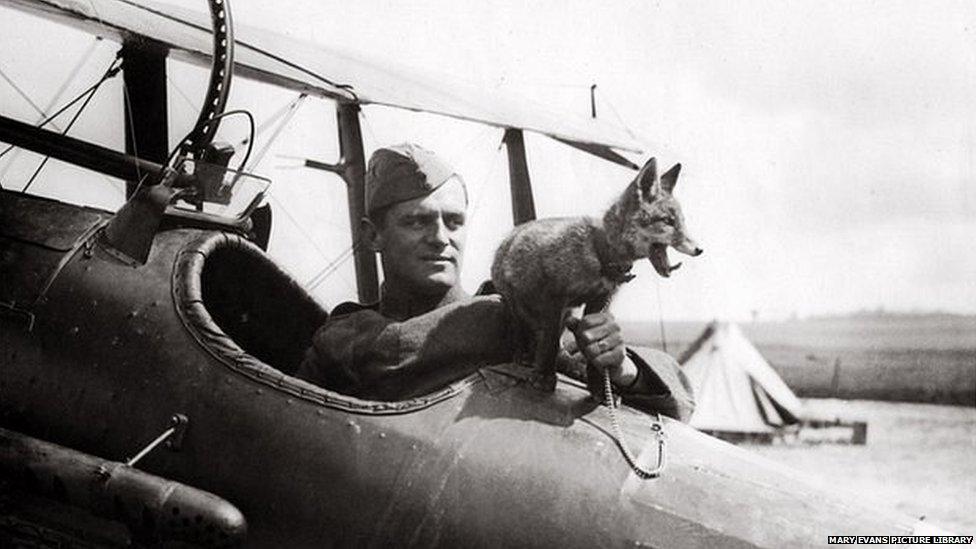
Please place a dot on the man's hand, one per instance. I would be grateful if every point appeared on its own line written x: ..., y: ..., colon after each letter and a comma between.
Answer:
x: 598, y: 337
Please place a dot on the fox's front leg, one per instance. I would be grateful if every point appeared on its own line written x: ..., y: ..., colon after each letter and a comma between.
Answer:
x: 522, y: 334
x: 522, y: 340
x: 546, y: 350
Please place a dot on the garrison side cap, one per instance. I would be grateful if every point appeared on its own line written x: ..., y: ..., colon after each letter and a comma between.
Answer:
x: 403, y: 172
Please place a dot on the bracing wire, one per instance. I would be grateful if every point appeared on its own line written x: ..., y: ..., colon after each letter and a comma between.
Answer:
x: 74, y: 74
x: 616, y: 114
x: 132, y: 130
x: 334, y: 265
x: 50, y: 118
x: 113, y: 70
x: 299, y: 227
x: 44, y: 118
x: 21, y: 93
x: 71, y: 123
x: 288, y: 115
x: 91, y: 89
x: 490, y: 168
x: 286, y: 109
x: 467, y: 144
x: 182, y: 94
x: 369, y: 128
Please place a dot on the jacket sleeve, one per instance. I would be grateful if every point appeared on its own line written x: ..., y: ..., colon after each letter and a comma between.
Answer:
x: 669, y: 392
x: 365, y: 354
x: 667, y: 389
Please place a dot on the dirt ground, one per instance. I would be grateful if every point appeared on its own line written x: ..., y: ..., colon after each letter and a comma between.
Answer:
x: 919, y: 458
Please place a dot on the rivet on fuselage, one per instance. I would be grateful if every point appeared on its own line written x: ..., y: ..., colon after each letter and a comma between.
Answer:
x: 382, y: 435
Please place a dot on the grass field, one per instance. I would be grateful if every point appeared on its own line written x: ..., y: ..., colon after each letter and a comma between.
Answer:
x: 918, y: 459
x: 919, y: 456
x: 909, y: 358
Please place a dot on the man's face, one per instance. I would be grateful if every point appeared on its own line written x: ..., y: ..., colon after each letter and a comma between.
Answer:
x: 421, y: 241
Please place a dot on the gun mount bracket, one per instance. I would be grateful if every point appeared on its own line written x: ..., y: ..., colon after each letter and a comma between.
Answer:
x: 173, y: 437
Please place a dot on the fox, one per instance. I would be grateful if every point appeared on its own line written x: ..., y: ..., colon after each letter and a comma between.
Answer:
x: 545, y: 268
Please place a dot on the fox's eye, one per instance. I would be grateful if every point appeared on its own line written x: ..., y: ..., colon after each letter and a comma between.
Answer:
x: 644, y: 220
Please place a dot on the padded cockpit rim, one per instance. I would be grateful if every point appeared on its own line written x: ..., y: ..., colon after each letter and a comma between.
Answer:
x: 188, y: 298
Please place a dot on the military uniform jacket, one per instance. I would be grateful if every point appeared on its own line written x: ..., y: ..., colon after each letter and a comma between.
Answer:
x: 363, y: 353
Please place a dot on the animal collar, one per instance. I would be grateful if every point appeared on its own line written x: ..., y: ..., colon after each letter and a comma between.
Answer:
x: 611, y: 268
x: 618, y: 272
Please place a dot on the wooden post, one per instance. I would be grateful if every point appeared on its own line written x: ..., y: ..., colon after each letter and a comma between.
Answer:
x: 523, y: 206
x: 835, y: 380
x: 353, y: 172
x: 146, y: 129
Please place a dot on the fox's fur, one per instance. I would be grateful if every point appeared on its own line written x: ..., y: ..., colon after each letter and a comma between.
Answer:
x: 546, y: 267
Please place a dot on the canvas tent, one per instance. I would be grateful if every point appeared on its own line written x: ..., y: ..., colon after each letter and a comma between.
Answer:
x: 738, y: 395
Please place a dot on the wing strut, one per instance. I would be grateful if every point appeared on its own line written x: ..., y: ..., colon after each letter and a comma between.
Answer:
x: 523, y: 206
x: 144, y: 79
x: 352, y: 169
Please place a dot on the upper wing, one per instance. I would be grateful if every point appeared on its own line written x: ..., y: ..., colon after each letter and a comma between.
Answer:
x: 329, y: 72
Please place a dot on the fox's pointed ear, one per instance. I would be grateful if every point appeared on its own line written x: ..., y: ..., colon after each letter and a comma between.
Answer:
x: 647, y: 183
x: 670, y: 178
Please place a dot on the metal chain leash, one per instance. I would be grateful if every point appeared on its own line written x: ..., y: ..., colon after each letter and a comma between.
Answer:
x: 601, y: 305
x: 657, y: 427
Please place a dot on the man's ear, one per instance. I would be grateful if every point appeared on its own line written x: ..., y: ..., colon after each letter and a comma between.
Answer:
x: 670, y: 178
x: 371, y: 235
x: 647, y: 182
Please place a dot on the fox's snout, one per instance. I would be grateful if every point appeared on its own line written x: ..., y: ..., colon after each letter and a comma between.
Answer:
x: 688, y: 247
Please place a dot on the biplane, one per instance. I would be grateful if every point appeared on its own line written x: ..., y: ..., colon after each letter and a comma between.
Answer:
x: 145, y: 387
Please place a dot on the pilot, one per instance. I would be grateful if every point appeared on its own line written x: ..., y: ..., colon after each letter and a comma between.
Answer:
x: 426, y: 331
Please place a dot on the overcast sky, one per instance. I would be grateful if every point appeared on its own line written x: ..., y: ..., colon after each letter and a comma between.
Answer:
x: 828, y: 147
